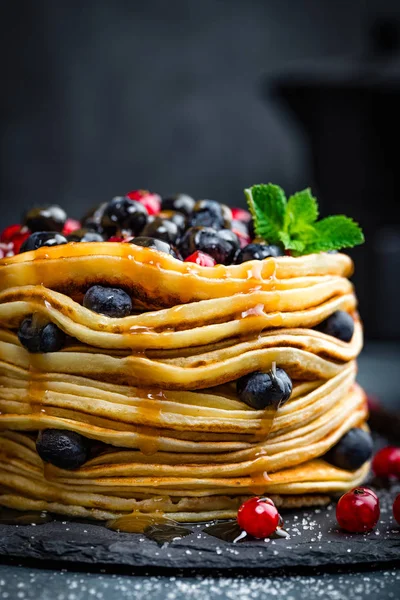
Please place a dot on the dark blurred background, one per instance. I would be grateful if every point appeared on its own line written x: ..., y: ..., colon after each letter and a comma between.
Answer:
x: 206, y: 98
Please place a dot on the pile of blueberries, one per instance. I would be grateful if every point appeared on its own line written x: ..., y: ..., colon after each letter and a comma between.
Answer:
x: 177, y: 225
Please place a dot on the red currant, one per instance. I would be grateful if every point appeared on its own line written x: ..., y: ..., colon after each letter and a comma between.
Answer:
x: 151, y: 202
x: 239, y: 214
x: 358, y: 510
x: 70, y: 226
x: 396, y: 509
x: 201, y: 258
x: 386, y: 463
x: 9, y: 233
x: 19, y: 239
x: 259, y: 517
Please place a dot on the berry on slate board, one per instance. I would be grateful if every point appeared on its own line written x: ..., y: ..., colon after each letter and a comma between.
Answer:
x: 351, y: 451
x: 259, y: 517
x: 261, y: 390
x: 386, y: 463
x: 63, y: 449
x: 39, y: 337
x: 201, y: 258
x: 112, y: 302
x: 358, y: 511
x: 396, y: 509
x: 339, y: 325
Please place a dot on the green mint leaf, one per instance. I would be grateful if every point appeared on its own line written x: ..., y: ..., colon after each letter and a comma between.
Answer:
x: 334, y: 233
x: 297, y: 246
x: 267, y: 204
x: 293, y: 223
x: 301, y: 211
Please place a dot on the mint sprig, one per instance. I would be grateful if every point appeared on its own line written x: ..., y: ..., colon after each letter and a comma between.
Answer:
x: 293, y: 222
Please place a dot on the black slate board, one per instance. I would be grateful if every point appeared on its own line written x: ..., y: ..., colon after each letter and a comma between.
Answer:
x: 315, y: 541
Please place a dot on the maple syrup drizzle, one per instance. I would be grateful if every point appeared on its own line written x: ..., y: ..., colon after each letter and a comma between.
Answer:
x: 36, y: 387
x: 149, y: 436
x: 138, y: 522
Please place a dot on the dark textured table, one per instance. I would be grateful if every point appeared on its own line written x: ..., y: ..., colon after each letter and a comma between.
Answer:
x: 380, y: 375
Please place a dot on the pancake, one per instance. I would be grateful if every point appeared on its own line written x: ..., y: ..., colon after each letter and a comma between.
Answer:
x: 155, y: 392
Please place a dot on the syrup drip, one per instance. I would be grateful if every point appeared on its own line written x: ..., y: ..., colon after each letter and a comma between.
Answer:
x: 258, y: 481
x: 137, y: 522
x: 36, y: 388
x: 166, y: 533
x: 229, y: 531
x: 149, y: 436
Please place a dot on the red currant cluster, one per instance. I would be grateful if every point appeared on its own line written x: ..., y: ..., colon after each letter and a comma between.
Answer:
x: 357, y: 511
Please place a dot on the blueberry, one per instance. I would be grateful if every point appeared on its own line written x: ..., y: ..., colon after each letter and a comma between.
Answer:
x: 45, y: 218
x: 112, y: 302
x: 122, y: 213
x: 42, y: 238
x: 160, y: 245
x: 231, y: 237
x: 221, y: 247
x: 162, y: 229
x: 351, y: 451
x: 257, y: 252
x: 180, y: 202
x: 37, y: 336
x: 339, y: 325
x: 176, y: 217
x: 63, y: 449
x: 260, y: 390
x: 207, y: 213
x: 85, y: 235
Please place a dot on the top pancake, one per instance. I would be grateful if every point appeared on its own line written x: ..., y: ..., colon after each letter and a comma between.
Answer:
x: 157, y: 280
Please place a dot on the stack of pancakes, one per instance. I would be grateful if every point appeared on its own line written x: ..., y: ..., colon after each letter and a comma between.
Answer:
x: 156, y: 393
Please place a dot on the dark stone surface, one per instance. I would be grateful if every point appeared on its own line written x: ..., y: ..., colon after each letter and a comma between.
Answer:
x: 314, y: 541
